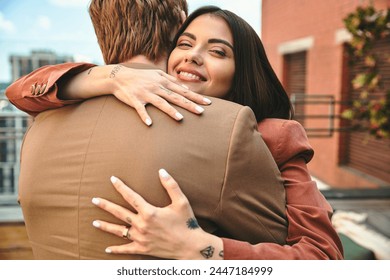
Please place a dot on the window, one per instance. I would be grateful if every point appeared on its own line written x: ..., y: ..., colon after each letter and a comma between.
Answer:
x: 295, y: 79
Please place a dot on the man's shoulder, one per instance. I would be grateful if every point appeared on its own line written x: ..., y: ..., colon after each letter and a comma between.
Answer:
x: 218, y: 102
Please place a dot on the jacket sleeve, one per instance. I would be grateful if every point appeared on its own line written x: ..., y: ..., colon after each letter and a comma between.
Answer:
x: 310, y: 231
x: 252, y: 203
x: 37, y: 91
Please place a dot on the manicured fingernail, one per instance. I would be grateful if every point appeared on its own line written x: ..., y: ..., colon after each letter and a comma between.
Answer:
x: 148, y: 122
x: 108, y: 251
x: 206, y: 100
x: 96, y: 224
x: 95, y: 201
x: 164, y: 174
x: 184, y: 86
x: 179, y: 116
x: 114, y: 179
x: 199, y: 109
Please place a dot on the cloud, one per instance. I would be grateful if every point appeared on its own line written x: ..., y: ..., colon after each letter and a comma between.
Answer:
x: 70, y: 3
x: 44, y: 22
x: 6, y: 25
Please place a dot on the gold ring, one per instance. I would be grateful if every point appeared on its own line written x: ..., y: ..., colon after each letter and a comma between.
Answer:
x: 125, y: 233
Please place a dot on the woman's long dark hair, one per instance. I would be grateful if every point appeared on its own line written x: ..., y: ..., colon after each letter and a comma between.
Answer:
x: 255, y: 83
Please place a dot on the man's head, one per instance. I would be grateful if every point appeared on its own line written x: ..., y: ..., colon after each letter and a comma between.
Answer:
x: 126, y: 28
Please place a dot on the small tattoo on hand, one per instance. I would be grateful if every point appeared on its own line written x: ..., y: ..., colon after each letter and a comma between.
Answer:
x: 207, y: 252
x: 221, y: 254
x: 128, y: 219
x: 192, y: 223
x: 115, y: 70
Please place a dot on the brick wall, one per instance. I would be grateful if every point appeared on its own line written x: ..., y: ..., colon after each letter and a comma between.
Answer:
x: 316, y: 26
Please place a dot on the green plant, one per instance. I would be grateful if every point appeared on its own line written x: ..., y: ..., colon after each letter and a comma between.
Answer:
x: 366, y: 26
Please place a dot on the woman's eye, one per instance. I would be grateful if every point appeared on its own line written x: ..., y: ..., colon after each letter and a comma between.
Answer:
x: 219, y: 52
x: 184, y: 44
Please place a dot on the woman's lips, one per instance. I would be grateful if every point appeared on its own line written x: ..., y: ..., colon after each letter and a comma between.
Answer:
x: 190, y: 76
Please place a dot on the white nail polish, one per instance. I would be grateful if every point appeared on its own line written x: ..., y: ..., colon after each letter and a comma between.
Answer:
x: 95, y: 201
x: 163, y: 173
x: 179, y: 116
x: 148, y: 122
x: 208, y: 101
x: 108, y: 251
x: 113, y: 179
x: 96, y: 224
x: 199, y: 109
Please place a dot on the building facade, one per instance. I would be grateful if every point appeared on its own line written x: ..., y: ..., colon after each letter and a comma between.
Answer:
x: 23, y: 64
x: 305, y: 42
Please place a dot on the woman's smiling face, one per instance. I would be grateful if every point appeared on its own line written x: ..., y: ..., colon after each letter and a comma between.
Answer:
x: 203, y: 58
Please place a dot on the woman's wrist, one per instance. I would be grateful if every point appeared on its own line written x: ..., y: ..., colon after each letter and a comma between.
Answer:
x: 96, y: 81
x: 203, y: 246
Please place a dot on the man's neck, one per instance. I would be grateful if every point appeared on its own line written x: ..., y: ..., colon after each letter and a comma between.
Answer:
x: 141, y: 59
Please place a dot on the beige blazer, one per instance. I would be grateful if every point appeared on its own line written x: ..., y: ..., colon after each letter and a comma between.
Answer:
x: 219, y: 159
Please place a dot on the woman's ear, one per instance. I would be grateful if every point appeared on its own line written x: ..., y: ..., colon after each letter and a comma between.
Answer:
x: 183, y: 16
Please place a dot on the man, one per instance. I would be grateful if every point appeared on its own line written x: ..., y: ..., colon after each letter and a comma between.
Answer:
x: 70, y: 153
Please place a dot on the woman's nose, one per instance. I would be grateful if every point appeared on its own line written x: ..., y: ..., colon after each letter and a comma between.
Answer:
x: 194, y: 58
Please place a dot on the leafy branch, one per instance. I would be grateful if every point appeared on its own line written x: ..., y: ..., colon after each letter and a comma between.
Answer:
x: 367, y: 26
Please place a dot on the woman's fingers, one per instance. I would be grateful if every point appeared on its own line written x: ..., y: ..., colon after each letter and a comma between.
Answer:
x: 116, y: 210
x: 179, y: 99
x: 142, y: 113
x: 183, y: 90
x: 118, y: 230
x: 172, y: 188
x: 133, y: 198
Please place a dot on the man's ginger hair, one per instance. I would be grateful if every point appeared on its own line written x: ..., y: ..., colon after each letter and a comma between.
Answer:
x: 126, y: 28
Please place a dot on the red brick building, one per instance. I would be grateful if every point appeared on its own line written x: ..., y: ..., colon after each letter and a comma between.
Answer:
x: 305, y: 42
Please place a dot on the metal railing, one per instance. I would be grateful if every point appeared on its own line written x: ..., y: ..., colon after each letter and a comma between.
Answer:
x: 325, y: 125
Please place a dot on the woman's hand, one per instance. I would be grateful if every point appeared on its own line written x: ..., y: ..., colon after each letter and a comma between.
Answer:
x: 138, y: 87
x: 134, y: 87
x: 170, y: 232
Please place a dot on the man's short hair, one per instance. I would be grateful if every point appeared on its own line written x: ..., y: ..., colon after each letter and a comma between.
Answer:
x: 126, y: 28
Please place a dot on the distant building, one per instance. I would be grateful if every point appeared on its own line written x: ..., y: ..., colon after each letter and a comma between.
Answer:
x: 24, y: 64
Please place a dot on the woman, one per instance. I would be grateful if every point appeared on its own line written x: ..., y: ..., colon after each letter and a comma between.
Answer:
x: 248, y: 80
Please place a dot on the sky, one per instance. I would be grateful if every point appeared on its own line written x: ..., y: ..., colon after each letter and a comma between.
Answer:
x: 64, y: 26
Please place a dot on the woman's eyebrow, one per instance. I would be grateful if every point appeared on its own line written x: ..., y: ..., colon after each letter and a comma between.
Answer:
x: 220, y: 41
x: 192, y: 36
x: 210, y: 41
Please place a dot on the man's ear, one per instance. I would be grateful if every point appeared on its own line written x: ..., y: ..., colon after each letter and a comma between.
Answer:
x: 183, y: 16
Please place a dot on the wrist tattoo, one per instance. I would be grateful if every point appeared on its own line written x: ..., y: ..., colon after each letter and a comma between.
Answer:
x: 207, y: 252
x: 192, y: 223
x: 115, y: 70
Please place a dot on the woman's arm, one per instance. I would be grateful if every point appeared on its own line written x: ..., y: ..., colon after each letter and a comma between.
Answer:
x: 54, y: 86
x: 37, y: 91
x: 134, y: 87
x: 310, y: 231
x: 163, y: 232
